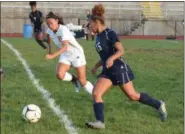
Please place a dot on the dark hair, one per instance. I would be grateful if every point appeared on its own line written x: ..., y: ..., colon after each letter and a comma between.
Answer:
x: 55, y: 16
x: 98, y: 13
x: 32, y: 3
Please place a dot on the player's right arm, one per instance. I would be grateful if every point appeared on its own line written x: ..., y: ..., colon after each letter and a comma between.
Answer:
x: 31, y: 19
x: 49, y: 43
x: 32, y: 22
x: 96, y: 66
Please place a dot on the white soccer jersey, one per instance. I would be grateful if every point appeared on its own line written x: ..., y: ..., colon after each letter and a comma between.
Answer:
x: 62, y: 34
x: 74, y: 55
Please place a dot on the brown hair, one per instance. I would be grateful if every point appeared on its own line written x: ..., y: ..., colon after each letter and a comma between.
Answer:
x: 55, y: 16
x: 32, y: 3
x: 98, y: 13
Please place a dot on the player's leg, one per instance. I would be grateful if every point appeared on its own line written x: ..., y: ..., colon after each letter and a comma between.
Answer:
x: 101, y: 87
x: 92, y: 35
x: 62, y: 72
x: 143, y: 98
x: 79, y: 63
x: 81, y: 75
x: 64, y: 75
x: 87, y: 35
x: 41, y: 44
x: 63, y: 68
x: 45, y: 38
x: 39, y: 39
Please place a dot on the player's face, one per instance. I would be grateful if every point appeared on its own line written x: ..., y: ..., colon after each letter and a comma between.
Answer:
x: 33, y: 8
x: 52, y: 24
x: 94, y: 26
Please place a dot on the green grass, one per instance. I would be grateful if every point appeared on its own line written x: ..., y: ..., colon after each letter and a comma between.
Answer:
x: 158, y: 68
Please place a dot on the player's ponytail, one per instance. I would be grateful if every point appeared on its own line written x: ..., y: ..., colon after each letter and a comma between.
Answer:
x: 55, y: 16
x: 98, y: 13
x: 60, y: 20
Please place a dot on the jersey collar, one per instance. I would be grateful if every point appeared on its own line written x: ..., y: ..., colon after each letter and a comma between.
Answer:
x: 103, y: 31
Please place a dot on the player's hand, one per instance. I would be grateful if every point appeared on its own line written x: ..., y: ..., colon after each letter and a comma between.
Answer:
x: 109, y: 63
x: 49, y: 57
x: 93, y: 70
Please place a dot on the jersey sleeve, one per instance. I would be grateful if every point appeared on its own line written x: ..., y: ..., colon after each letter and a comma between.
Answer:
x: 113, y: 37
x: 31, y: 18
x: 65, y: 33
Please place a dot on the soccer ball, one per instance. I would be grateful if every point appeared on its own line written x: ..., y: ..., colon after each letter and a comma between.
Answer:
x: 31, y: 113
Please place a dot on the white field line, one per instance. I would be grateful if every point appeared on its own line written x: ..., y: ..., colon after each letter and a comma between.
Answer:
x: 175, y: 41
x: 63, y: 118
x: 172, y: 41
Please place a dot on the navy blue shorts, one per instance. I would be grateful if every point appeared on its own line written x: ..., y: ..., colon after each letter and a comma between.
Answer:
x: 118, y: 77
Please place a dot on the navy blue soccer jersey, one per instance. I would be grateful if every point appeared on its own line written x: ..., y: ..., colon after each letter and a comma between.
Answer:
x: 119, y: 73
x: 36, y: 19
x: 105, y: 44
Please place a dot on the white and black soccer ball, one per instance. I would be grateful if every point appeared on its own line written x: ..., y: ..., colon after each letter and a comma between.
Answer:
x: 31, y: 113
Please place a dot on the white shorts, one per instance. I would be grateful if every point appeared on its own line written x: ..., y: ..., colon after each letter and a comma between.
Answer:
x: 77, y: 59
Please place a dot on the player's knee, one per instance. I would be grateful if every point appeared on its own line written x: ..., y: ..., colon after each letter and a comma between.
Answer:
x: 60, y: 76
x: 39, y: 36
x: 133, y: 96
x: 96, y: 95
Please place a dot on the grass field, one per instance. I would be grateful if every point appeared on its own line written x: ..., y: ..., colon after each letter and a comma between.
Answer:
x: 158, y: 68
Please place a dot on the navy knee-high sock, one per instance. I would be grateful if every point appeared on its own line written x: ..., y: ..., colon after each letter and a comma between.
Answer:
x: 99, y: 111
x: 147, y: 100
x: 87, y: 37
x: 41, y: 43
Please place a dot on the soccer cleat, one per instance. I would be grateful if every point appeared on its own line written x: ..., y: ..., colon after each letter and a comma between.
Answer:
x: 163, y: 111
x: 76, y: 83
x: 95, y: 125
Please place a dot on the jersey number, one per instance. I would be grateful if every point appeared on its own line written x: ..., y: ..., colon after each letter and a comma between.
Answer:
x: 98, y: 47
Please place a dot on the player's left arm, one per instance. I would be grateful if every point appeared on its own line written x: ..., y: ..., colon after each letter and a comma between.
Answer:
x: 119, y: 52
x: 41, y: 17
x: 119, y: 49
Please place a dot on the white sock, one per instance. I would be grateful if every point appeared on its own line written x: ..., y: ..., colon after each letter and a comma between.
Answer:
x: 67, y: 77
x: 89, y: 87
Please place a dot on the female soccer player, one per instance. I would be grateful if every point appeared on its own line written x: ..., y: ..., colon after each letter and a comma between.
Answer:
x: 36, y: 19
x: 69, y: 51
x: 115, y: 70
